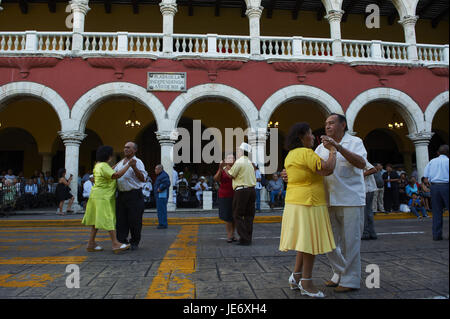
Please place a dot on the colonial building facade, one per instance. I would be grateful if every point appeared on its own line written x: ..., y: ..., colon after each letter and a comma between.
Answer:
x: 64, y: 92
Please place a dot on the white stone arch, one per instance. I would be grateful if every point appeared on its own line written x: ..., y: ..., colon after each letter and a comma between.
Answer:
x: 236, y: 97
x: 432, y: 108
x: 325, y: 100
x: 37, y: 90
x: 407, y: 107
x: 88, y: 102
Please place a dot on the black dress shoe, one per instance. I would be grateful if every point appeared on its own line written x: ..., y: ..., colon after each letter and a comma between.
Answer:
x: 365, y: 238
x: 161, y: 227
x: 244, y: 243
x: 373, y: 237
x: 134, y: 247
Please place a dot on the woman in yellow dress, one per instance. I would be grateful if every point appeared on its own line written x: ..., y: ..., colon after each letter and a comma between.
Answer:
x: 306, y: 224
x: 101, y: 206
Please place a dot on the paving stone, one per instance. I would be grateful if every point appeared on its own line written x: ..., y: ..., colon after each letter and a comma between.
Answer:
x: 206, y: 275
x: 37, y: 292
x: 125, y: 271
x: 249, y: 266
x: 120, y: 296
x: 268, y: 280
x: 224, y: 290
x: 129, y: 286
x: 78, y: 293
x: 232, y: 277
x: 270, y: 294
x: 102, y: 281
x: 11, y: 291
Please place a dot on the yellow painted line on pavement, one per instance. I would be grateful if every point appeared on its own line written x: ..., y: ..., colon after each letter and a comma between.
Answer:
x: 39, y: 240
x: 175, y: 221
x: 173, y: 279
x: 58, y: 260
x: 30, y: 280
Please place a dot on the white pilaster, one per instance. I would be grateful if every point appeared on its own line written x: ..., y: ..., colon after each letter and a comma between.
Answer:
x: 421, y: 141
x: 79, y: 10
x: 167, y: 140
x: 334, y: 17
x: 72, y: 141
x: 257, y: 139
x: 31, y: 41
x: 254, y: 11
x: 168, y: 10
x: 409, y: 24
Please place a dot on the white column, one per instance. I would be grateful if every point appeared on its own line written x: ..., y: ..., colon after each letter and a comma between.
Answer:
x: 421, y: 141
x: 72, y: 141
x: 167, y: 140
x: 79, y: 10
x: 254, y: 11
x: 257, y: 139
x: 334, y: 17
x: 46, y: 162
x: 409, y: 24
x: 168, y: 9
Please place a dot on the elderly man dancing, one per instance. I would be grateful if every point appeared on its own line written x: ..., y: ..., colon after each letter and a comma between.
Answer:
x: 346, y: 199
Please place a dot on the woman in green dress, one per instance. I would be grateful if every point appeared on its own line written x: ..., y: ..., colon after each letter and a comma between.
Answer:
x: 101, y: 206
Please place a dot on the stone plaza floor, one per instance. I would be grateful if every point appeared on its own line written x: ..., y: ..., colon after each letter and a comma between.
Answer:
x: 194, y: 261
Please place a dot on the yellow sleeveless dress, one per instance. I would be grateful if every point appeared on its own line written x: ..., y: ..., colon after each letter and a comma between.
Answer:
x: 306, y: 224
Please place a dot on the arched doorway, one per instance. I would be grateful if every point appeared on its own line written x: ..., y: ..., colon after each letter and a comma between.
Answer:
x: 107, y: 125
x: 289, y: 113
x: 385, y: 141
x: 440, y: 129
x: 39, y: 119
x: 18, y: 151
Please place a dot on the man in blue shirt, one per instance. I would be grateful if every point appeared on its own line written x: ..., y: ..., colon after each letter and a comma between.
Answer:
x: 276, y: 189
x: 436, y: 172
x: 161, y: 189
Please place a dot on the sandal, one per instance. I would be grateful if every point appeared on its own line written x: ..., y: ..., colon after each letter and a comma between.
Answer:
x: 121, y: 248
x: 94, y: 249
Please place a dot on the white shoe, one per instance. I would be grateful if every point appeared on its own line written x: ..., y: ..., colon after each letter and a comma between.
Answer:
x: 292, y: 283
x: 318, y: 294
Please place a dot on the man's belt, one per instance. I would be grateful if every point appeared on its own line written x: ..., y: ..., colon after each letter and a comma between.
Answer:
x: 243, y: 187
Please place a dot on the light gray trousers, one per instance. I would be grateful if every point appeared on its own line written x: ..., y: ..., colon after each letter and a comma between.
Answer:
x: 347, y: 224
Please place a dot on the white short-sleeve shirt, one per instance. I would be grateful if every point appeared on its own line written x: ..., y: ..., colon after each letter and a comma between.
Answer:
x: 129, y: 180
x: 345, y: 187
x: 371, y: 184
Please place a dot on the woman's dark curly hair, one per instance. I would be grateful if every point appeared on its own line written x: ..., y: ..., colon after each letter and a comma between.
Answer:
x: 296, y: 132
x: 104, y: 152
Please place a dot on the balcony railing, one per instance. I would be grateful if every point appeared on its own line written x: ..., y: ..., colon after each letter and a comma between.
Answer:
x: 218, y: 46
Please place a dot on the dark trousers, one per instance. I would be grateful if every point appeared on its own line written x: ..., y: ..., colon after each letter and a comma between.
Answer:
x: 369, y: 225
x: 244, y: 213
x: 439, y: 200
x: 391, y: 199
x: 129, y: 212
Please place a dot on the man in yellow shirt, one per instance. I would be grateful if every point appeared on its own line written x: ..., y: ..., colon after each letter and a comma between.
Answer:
x: 243, y: 178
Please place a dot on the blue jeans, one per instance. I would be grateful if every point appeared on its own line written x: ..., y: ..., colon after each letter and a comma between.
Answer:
x: 258, y: 199
x: 161, y: 207
x: 421, y: 208
x: 439, y: 200
x: 275, y: 193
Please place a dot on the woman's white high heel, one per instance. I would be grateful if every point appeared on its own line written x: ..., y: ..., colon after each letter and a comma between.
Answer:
x: 318, y: 294
x: 292, y: 283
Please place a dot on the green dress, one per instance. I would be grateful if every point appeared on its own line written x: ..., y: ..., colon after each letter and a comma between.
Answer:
x: 101, y: 206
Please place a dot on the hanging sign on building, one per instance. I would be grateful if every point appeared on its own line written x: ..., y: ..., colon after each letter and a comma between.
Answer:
x: 166, y: 81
